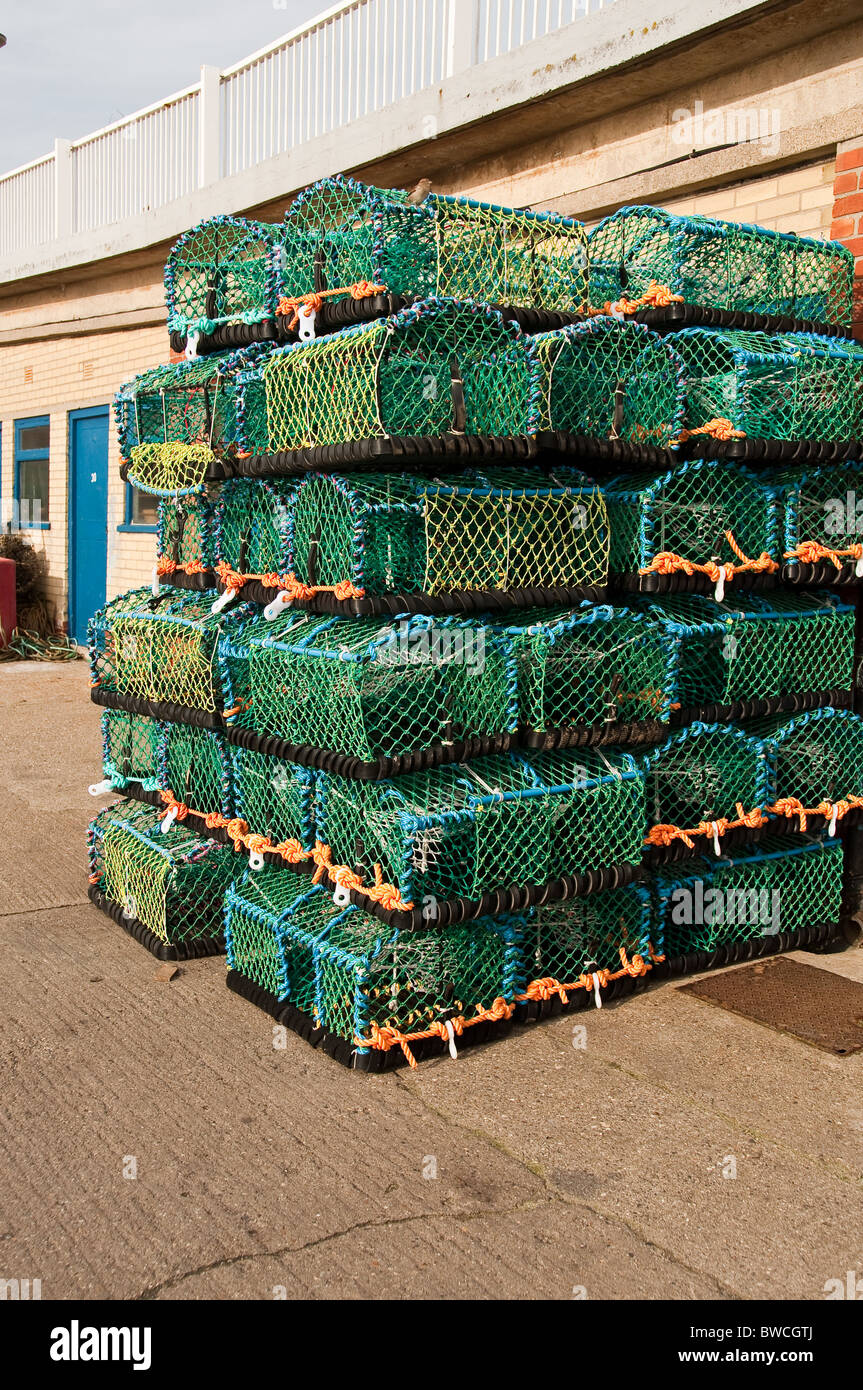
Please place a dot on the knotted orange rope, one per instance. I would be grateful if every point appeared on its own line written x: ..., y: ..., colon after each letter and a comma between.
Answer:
x: 291, y: 305
x: 383, y: 1039
x: 164, y: 565
x: 656, y: 296
x: 720, y: 428
x: 811, y: 552
x: 668, y: 562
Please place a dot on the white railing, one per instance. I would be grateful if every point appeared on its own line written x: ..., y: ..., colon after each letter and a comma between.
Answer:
x: 27, y: 206
x: 355, y: 59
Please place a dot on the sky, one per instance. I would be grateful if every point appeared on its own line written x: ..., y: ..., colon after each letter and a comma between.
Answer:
x: 72, y: 66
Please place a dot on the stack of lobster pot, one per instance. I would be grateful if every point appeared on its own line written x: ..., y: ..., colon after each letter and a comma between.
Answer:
x: 494, y: 639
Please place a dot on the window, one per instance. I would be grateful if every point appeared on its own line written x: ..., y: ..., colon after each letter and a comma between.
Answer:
x: 142, y: 511
x: 32, y: 472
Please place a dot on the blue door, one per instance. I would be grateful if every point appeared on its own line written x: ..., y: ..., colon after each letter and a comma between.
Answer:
x: 88, y: 516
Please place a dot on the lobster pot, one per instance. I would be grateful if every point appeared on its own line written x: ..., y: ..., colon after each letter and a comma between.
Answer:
x: 698, y: 779
x: 448, y: 837
x: 605, y: 380
x: 130, y: 751
x: 438, y: 372
x: 196, y: 768
x: 176, y: 424
x: 239, y: 527
x: 170, y: 884
x: 739, y: 659
x: 739, y: 269
x: 565, y: 940
x: 795, y: 387
x: 697, y: 513
x: 340, y: 971
x: 340, y: 233
x: 594, y: 673
x: 815, y: 758
x: 377, y: 696
x: 224, y: 272
x: 784, y: 887
x: 160, y: 652
x: 822, y: 520
x: 465, y: 541
x: 274, y: 797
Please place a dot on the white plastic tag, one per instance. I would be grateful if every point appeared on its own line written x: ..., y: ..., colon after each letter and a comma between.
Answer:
x: 342, y: 897
x: 450, y: 1032
x: 192, y: 341
x: 101, y: 788
x: 719, y: 591
x: 257, y: 862
x: 156, y: 585
x: 308, y: 318
x: 168, y: 820
x: 833, y: 820
x: 222, y: 601
x: 277, y: 607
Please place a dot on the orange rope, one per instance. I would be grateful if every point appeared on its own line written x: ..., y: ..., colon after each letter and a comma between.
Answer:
x: 363, y: 289
x: 656, y: 296
x: 810, y: 552
x: 720, y: 428
x: 667, y: 562
x: 166, y: 566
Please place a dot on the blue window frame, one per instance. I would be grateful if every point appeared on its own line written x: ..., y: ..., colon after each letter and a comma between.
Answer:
x: 33, y: 473
x: 141, y: 512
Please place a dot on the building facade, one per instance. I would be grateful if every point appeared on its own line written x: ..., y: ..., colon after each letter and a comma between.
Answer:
x: 752, y: 112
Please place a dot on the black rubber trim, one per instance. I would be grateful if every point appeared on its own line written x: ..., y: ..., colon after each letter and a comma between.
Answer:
x: 345, y: 765
x: 672, y: 317
x: 341, y: 1050
x: 741, y: 710
x: 197, y: 583
x: 456, y: 450
x: 772, y: 450
x: 824, y: 574
x: 229, y: 335
x: 680, y: 583
x: 615, y: 452
x: 460, y: 601
x: 157, y: 709
x: 740, y: 837
x: 528, y: 1011
x: 199, y: 949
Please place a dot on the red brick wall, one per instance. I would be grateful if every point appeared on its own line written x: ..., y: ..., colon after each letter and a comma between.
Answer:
x: 847, y: 224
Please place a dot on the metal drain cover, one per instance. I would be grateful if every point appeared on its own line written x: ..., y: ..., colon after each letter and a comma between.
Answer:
x: 814, y: 1005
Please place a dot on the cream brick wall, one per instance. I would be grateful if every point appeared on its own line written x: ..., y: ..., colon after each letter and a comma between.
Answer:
x: 52, y: 378
x: 800, y: 200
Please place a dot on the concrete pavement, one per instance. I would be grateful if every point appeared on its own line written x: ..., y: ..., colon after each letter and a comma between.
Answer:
x: 263, y: 1173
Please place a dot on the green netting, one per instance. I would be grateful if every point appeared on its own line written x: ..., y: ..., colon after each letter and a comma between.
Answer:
x: 275, y: 797
x: 758, y: 649
x: 461, y: 831
x: 611, y: 380
x: 340, y: 232
x: 815, y: 757
x: 778, y: 889
x: 187, y: 532
x: 702, y: 774
x: 196, y: 766
x: 173, y: 883
x: 564, y: 940
x: 822, y: 511
x: 371, y: 689
x: 434, y: 369
x: 723, y: 265
x: 225, y: 270
x: 592, y: 665
x: 348, y: 973
x: 159, y: 648
x: 130, y: 746
x: 689, y: 512
x: 174, y: 420
x: 794, y: 386
x: 393, y: 533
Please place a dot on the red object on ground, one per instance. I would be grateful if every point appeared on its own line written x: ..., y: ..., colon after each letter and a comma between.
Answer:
x: 8, y: 612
